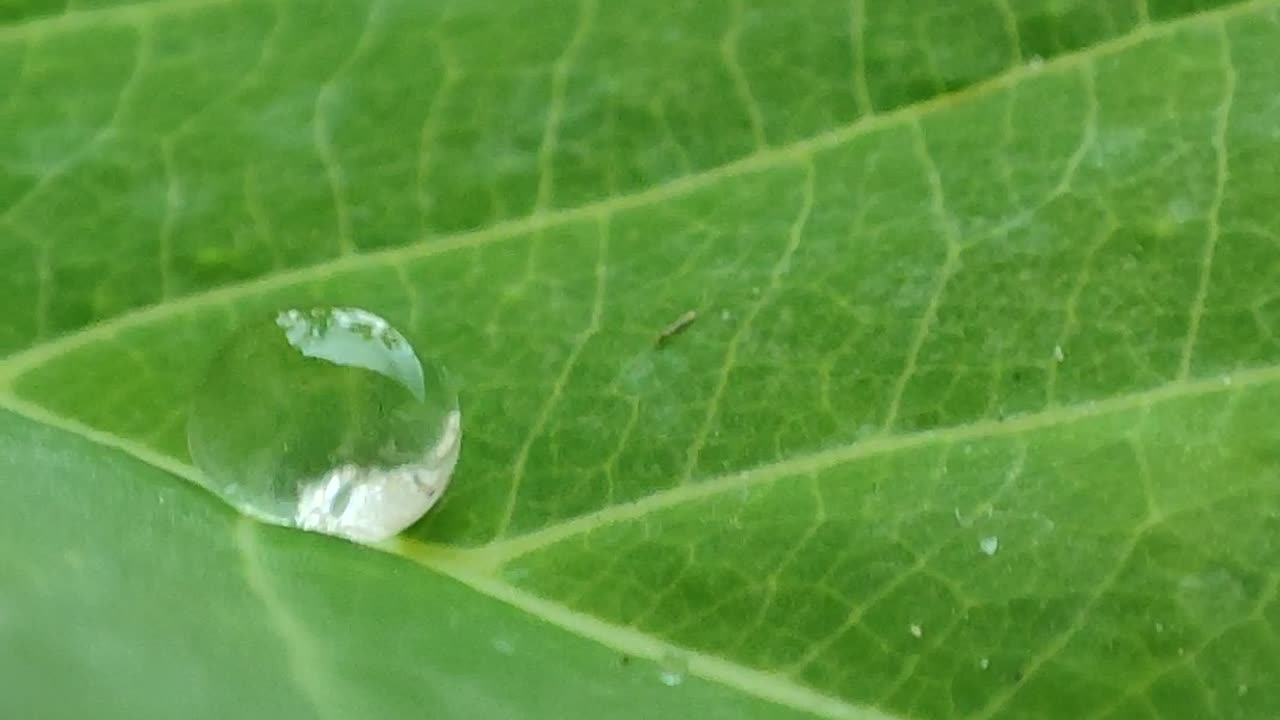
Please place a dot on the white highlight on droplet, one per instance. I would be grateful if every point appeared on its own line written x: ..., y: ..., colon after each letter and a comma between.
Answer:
x: 370, y: 504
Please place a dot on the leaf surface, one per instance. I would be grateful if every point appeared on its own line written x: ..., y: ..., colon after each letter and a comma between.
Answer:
x: 976, y: 419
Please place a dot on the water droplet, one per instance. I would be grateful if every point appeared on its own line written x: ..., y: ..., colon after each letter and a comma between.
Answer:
x: 989, y: 545
x: 1058, y: 354
x: 326, y: 420
x: 673, y: 668
x: 916, y: 631
x: 984, y: 663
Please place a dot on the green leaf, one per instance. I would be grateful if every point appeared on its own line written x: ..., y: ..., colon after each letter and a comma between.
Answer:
x: 976, y: 420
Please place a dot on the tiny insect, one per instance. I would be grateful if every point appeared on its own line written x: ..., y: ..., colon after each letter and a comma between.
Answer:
x: 681, y: 324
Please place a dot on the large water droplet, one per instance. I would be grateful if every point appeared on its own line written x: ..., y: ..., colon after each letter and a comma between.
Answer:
x: 326, y: 420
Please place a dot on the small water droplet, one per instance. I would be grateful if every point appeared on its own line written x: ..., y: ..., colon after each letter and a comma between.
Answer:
x: 916, y: 631
x: 504, y: 647
x: 673, y: 668
x: 989, y: 545
x: 984, y: 663
x: 326, y: 420
x: 1058, y: 354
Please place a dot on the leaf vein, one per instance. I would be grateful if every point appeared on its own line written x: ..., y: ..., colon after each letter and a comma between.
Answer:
x: 1219, y: 143
x: 299, y: 650
x: 426, y: 137
x: 780, y: 268
x: 738, y: 74
x: 555, y: 108
x: 950, y: 266
x: 857, y: 36
x: 141, y: 54
x: 322, y: 134
x: 495, y: 555
x: 562, y: 380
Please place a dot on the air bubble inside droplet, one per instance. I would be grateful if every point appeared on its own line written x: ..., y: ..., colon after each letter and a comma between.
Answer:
x: 326, y: 420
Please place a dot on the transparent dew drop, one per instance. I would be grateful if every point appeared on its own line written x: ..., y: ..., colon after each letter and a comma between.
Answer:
x: 673, y: 666
x: 326, y: 420
x: 989, y: 545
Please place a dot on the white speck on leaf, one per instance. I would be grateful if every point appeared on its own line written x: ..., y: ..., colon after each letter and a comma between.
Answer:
x: 916, y: 631
x: 984, y: 663
x: 989, y: 545
x: 1058, y: 355
x: 504, y: 646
